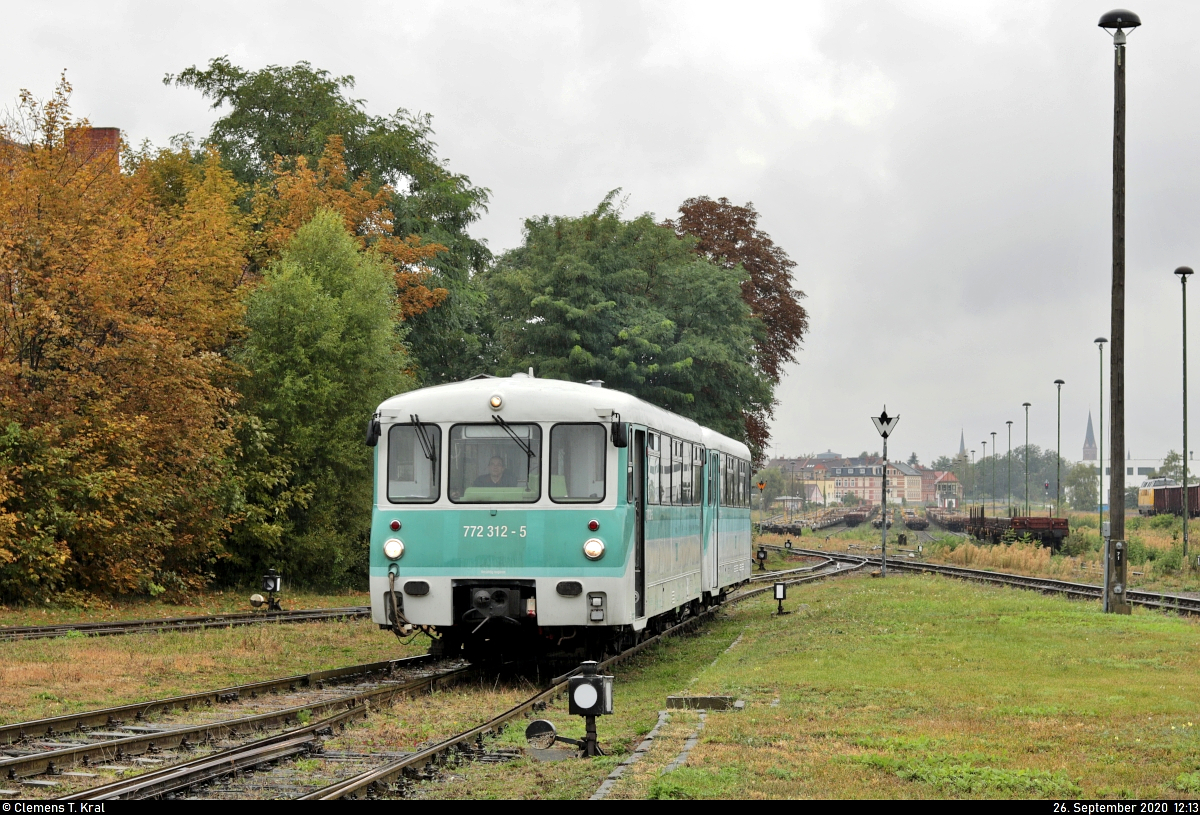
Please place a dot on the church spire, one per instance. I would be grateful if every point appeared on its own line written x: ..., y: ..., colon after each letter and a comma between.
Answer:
x: 962, y: 444
x: 1089, y: 442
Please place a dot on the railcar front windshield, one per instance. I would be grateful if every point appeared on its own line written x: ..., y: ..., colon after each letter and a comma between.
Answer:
x: 495, y: 464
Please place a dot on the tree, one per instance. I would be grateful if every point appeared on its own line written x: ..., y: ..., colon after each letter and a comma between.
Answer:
x: 776, y: 481
x: 274, y: 117
x: 728, y: 235
x: 628, y: 302
x: 118, y: 302
x: 323, y: 350
x: 913, y: 461
x: 298, y: 193
x: 1172, y: 467
x: 1082, y: 486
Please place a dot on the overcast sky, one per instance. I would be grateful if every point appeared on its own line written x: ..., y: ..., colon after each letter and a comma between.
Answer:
x: 940, y: 171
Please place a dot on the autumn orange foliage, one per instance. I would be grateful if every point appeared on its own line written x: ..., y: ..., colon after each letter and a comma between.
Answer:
x: 115, y: 307
x: 293, y: 197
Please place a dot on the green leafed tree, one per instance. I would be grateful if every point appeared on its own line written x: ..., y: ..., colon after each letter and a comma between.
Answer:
x: 323, y: 349
x: 1172, y: 467
x: 1082, y: 484
x: 775, y: 483
x: 629, y: 302
x: 292, y: 111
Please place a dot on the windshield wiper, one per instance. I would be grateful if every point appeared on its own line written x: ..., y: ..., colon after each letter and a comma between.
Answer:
x: 512, y: 435
x: 423, y: 437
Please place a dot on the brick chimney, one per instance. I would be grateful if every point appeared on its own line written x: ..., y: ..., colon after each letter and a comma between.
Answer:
x: 95, y: 142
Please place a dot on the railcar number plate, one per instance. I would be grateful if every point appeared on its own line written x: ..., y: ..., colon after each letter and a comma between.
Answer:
x: 472, y: 531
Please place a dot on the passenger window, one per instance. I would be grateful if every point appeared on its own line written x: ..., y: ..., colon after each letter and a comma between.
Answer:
x: 685, y: 473
x: 577, y: 453
x: 412, y: 465
x: 652, y: 478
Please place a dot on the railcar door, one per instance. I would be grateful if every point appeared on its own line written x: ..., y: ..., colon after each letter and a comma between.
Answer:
x: 714, y: 504
x: 637, y: 483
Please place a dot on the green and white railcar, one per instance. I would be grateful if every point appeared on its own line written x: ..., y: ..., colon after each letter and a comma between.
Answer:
x: 518, y: 508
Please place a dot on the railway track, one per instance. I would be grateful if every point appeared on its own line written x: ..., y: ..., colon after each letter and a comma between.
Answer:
x: 1166, y: 602
x: 43, y: 760
x: 107, y: 629
x: 377, y: 780
x: 69, y: 750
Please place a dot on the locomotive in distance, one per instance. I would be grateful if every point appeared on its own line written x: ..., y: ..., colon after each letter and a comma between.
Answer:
x: 1164, y: 496
x: 535, y: 515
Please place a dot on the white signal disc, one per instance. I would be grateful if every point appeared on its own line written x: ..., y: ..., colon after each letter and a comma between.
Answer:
x: 586, y: 696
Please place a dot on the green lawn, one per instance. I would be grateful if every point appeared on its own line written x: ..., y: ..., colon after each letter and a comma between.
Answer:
x: 911, y: 687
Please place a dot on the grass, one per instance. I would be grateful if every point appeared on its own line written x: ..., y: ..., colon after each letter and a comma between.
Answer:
x: 40, y: 678
x: 913, y: 687
x: 214, y: 602
x: 1155, y: 551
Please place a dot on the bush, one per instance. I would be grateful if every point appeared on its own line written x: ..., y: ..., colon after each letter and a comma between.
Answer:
x: 1137, y: 551
x: 1170, y: 561
x: 1165, y: 522
x: 1079, y: 542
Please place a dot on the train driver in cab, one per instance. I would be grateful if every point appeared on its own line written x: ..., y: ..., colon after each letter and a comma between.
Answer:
x: 496, y: 476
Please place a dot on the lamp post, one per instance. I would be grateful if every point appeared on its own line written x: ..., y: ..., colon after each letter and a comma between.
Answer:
x: 1058, y: 455
x: 1100, y: 451
x: 993, y: 473
x: 1026, y: 406
x: 1116, y: 22
x: 1008, y: 500
x: 974, y: 492
x: 884, y: 424
x: 982, y: 460
x: 1184, y: 272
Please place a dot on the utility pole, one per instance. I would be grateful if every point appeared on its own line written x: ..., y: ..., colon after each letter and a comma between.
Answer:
x: 983, y: 460
x: 1026, y: 406
x: 1008, y: 500
x: 1100, y: 450
x: 1184, y: 272
x: 1117, y: 21
x: 994, y: 473
x: 1058, y: 455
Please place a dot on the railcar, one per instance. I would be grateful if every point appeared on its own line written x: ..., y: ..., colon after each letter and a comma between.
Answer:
x: 549, y: 514
x: 1158, y: 496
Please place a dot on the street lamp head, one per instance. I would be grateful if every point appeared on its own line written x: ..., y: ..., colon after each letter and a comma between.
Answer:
x: 1009, y: 422
x: 1025, y: 405
x: 1101, y: 340
x: 1183, y: 272
x: 1059, y: 382
x: 1119, y: 18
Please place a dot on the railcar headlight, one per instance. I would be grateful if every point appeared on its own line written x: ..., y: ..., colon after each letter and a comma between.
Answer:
x: 593, y: 549
x: 393, y: 548
x: 496, y: 401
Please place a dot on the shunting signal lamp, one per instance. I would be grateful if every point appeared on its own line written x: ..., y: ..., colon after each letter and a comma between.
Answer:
x: 272, y: 583
x: 780, y: 596
x: 590, y: 695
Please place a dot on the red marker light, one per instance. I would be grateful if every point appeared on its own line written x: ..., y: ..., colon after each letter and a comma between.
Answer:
x: 593, y: 525
x: 395, y: 525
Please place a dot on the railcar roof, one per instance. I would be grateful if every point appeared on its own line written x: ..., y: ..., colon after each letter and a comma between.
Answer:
x: 548, y: 400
